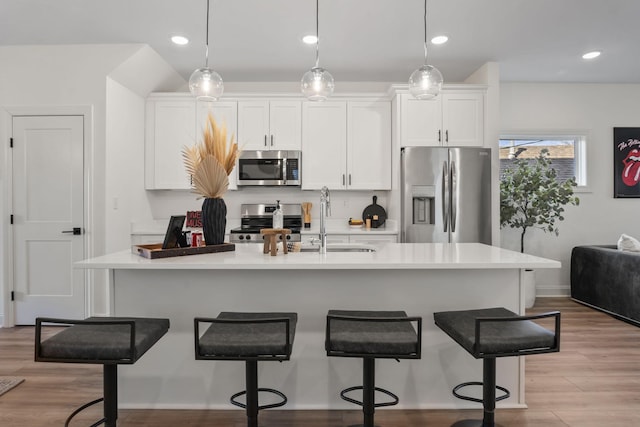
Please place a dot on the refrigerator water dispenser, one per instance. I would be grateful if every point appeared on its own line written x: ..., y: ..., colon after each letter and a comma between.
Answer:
x: 424, y: 204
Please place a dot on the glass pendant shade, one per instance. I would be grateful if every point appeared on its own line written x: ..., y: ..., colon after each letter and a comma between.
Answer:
x: 425, y: 82
x: 206, y: 85
x: 317, y: 84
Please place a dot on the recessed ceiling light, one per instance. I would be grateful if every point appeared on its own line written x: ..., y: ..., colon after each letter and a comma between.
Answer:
x: 591, y: 55
x: 310, y: 39
x: 180, y: 40
x: 439, y: 39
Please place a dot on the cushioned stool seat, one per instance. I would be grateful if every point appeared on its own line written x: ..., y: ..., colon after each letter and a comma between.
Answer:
x: 250, y: 337
x: 496, y: 332
x: 372, y: 335
x: 108, y: 341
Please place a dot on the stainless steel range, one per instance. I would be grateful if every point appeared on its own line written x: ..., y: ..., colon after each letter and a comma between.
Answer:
x: 254, y: 217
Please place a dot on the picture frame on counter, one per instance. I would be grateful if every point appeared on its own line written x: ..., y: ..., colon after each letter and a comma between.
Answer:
x: 174, y: 237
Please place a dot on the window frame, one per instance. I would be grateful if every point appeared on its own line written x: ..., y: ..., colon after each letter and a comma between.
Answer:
x: 579, y: 145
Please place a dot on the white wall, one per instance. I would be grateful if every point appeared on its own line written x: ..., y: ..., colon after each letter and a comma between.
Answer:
x: 600, y: 219
x: 74, y: 75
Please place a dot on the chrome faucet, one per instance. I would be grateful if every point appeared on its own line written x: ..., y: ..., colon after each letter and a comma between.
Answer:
x: 325, y: 210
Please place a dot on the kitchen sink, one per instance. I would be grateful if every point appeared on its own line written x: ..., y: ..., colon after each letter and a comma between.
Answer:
x: 340, y: 247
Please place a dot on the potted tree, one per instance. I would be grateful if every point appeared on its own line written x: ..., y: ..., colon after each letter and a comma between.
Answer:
x: 531, y: 196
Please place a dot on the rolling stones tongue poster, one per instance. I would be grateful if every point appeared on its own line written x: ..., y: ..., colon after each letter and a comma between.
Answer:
x: 626, y: 162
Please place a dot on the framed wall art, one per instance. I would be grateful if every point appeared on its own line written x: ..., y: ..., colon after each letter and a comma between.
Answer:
x: 626, y: 162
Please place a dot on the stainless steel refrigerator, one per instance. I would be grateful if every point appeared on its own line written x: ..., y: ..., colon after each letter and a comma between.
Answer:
x: 446, y: 195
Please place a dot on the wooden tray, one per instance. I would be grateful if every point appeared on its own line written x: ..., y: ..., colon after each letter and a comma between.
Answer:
x: 154, y: 250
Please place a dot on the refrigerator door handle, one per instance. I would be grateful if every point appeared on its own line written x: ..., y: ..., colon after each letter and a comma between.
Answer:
x: 445, y: 196
x: 454, y: 193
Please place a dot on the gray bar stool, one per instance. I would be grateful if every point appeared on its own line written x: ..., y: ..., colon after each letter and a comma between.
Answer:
x: 109, y: 341
x: 496, y: 332
x: 250, y: 337
x: 372, y: 335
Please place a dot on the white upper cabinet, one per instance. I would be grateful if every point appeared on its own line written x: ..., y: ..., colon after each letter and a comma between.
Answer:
x: 173, y: 122
x: 270, y: 125
x: 324, y: 146
x: 346, y: 145
x: 451, y: 119
x: 170, y: 126
x: 369, y: 145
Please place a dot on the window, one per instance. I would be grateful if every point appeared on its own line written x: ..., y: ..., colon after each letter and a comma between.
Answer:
x: 567, y: 153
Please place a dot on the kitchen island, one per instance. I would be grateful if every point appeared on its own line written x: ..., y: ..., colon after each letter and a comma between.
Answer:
x: 417, y: 278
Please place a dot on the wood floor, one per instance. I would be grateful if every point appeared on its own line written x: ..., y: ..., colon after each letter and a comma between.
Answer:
x: 593, y: 381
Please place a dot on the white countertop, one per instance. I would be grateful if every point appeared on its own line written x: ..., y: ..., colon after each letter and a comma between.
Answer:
x: 388, y: 256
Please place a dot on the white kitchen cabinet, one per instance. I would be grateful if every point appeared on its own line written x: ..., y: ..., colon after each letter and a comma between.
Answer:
x: 270, y: 125
x: 324, y: 143
x: 368, y: 146
x: 173, y: 122
x: 346, y: 145
x: 373, y: 239
x: 451, y: 119
x: 170, y: 125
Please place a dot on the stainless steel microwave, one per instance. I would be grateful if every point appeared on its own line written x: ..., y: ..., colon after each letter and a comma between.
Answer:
x: 272, y: 168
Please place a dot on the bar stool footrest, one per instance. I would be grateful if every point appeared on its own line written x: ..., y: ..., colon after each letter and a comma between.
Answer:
x: 472, y: 423
x: 82, y: 408
x: 266, y: 390
x: 506, y: 392
x: 375, y: 405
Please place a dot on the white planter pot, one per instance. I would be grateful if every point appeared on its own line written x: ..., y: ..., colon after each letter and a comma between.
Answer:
x: 529, y: 278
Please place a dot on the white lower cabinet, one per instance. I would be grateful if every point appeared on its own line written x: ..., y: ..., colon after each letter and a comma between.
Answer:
x: 373, y: 239
x: 337, y: 238
x: 370, y: 239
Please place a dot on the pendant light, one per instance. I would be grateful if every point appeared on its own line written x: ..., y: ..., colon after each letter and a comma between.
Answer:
x: 426, y: 81
x: 205, y: 84
x: 317, y: 83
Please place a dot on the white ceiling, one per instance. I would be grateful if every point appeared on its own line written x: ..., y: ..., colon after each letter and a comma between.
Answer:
x: 361, y: 40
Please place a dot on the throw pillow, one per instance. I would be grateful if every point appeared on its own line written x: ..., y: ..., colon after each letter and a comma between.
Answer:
x: 628, y: 243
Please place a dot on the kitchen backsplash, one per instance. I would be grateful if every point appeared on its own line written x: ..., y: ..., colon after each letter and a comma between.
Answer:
x: 344, y: 204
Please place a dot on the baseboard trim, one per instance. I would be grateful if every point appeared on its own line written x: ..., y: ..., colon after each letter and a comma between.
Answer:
x: 552, y: 291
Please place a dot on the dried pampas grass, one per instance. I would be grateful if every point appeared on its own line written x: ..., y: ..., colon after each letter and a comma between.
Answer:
x: 210, y: 162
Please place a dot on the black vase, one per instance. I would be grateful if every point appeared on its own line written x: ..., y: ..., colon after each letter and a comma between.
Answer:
x: 214, y: 221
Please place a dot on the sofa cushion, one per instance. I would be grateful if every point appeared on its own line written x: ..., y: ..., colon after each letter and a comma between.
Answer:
x: 608, y: 279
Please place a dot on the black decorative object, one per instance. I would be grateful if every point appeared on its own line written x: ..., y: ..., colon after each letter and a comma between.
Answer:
x: 214, y: 220
x: 626, y: 162
x: 173, y: 237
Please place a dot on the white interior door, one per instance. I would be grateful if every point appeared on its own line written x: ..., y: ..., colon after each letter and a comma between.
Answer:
x: 47, y: 207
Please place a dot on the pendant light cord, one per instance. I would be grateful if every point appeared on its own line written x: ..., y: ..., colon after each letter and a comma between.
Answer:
x: 317, y: 37
x: 425, y: 32
x: 206, y: 52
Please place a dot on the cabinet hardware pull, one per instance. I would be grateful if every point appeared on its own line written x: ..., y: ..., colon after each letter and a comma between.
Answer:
x: 343, y: 178
x: 446, y: 135
x: 439, y: 135
x: 265, y: 140
x: 272, y: 140
x: 349, y: 179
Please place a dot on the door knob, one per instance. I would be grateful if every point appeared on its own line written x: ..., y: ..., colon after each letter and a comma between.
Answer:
x: 77, y: 231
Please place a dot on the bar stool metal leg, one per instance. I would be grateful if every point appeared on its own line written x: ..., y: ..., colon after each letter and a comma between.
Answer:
x: 110, y: 386
x: 252, y: 393
x: 368, y: 390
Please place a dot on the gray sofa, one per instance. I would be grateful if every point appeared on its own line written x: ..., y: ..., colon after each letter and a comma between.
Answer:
x: 607, y: 279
